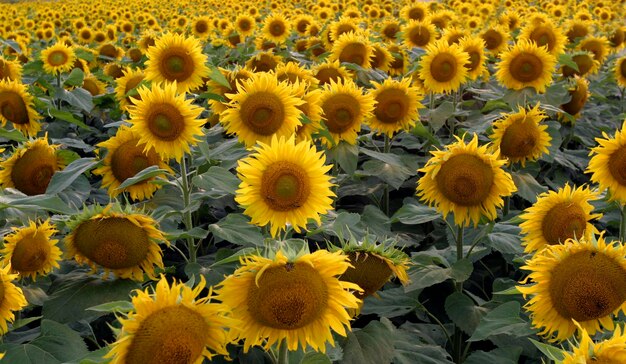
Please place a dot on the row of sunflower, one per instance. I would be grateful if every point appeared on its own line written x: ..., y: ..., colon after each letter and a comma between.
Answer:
x: 297, y: 83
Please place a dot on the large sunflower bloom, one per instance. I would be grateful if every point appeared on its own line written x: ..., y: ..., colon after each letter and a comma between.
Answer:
x: 16, y: 106
x: 299, y: 301
x: 579, y: 280
x: 58, y: 59
x: 165, y: 121
x: 171, y: 325
x: 526, y: 65
x: 608, y: 164
x: 443, y: 67
x: 467, y: 180
x: 12, y: 298
x: 557, y: 216
x: 396, y: 107
x: 611, y: 350
x: 284, y: 183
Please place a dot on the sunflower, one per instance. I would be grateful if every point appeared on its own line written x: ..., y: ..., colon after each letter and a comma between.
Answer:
x: 585, y: 63
x: 345, y: 107
x: 557, y: 216
x: 298, y: 300
x: 109, y: 52
x: 342, y: 26
x: 599, y: 46
x: 475, y: 49
x: 620, y: 71
x: 125, y: 158
x: 467, y: 180
x: 496, y: 38
x: 381, y: 57
x: 545, y: 35
x: 30, y: 251
x: 16, y: 106
x: 416, y: 11
x: 579, y: 94
x: 312, y: 109
x: 263, y: 62
x: 526, y: 65
x: 127, y: 83
x: 576, y: 29
x: 399, y: 62
x: 165, y: 121
x: 245, y: 25
x: 176, y: 58
x: 418, y: 34
x: 292, y: 72
x: 93, y: 85
x: 331, y: 71
x: 201, y: 27
x: 276, y: 28
x: 58, y: 59
x: 608, y: 164
x: 12, y: 298
x: 117, y: 239
x: 611, y: 350
x: 518, y: 137
x: 352, y: 48
x: 284, y: 183
x: 389, y: 30
x: 580, y: 280
x: 233, y: 77
x: 443, y: 67
x: 261, y: 108
x: 396, y: 107
x: 171, y: 325
x: 10, y: 70
x: 30, y: 167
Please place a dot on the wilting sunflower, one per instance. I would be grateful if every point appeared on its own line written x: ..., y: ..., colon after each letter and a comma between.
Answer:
x: 58, y: 59
x: 176, y: 58
x: 579, y: 280
x: 16, y: 106
x: 557, y: 216
x: 475, y: 49
x: 620, y: 71
x: 30, y: 251
x: 608, y: 164
x: 443, y: 67
x: 579, y: 93
x: 166, y: 122
x: 419, y: 34
x: 127, y: 83
x: 298, y: 300
x: 30, y: 167
x: 345, y: 107
x: 352, y: 48
x: 125, y: 158
x: 261, y: 108
x: 171, y: 325
x: 526, y: 65
x: 396, y: 107
x: 276, y: 28
x: 284, y: 183
x: 117, y: 239
x: 467, y: 180
x: 518, y: 137
x: 545, y: 34
x: 611, y: 350
x: 12, y: 298
x: 10, y: 70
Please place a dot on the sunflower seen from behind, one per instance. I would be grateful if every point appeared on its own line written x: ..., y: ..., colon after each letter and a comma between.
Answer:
x: 11, y: 298
x: 443, y: 67
x: 283, y: 183
x: 16, y: 106
x: 171, y: 324
x: 525, y: 65
x: 30, y: 250
x: 58, y: 58
x: 579, y: 280
x: 299, y: 299
x: 466, y: 180
x: 396, y: 108
x: 608, y: 164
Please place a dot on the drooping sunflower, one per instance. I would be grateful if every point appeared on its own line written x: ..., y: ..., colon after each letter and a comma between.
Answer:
x: 545, y: 34
x: 443, y: 67
x: 620, y: 71
x: 345, y: 107
x: 276, y: 28
x: 30, y: 167
x: 557, y: 216
x: 120, y: 240
x: 578, y: 280
x: 526, y: 65
x: 475, y: 49
x: 170, y: 324
x: 179, y: 59
x: 467, y: 180
x: 165, y: 121
x: 284, y: 182
x: 127, y: 83
x: 397, y: 104
x: 125, y: 158
x: 518, y: 137
x: 585, y: 62
x: 352, y: 48
x: 16, y: 106
x: 298, y: 300
x: 608, y: 164
x: 579, y: 93
x: 58, y: 59
x: 10, y: 70
x: 418, y: 34
x: 12, y: 298
x: 611, y: 350
x: 30, y: 251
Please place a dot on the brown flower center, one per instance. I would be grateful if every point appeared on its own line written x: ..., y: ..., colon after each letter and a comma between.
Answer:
x: 165, y: 122
x: 176, y: 64
x: 341, y: 112
x: 564, y: 221
x: 354, y: 53
x: 443, y: 67
x: 263, y: 112
x: 617, y: 165
x: 392, y: 106
x: 369, y: 271
x: 526, y: 67
x: 130, y: 159
x: 30, y: 253
x: 325, y: 75
x: 493, y: 39
x: 519, y: 139
x: 465, y: 180
x: 13, y: 107
x: 579, y: 98
x: 419, y: 35
x: 32, y: 172
x: 544, y: 36
x: 285, y: 186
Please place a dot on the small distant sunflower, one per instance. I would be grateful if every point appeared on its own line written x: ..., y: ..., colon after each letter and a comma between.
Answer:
x: 345, y: 107
x: 419, y: 34
x: 117, y: 239
x: 276, y: 28
x: 390, y: 30
x: 579, y: 280
x: 454, y: 34
x: 127, y: 83
x: 519, y: 137
x: 585, y: 62
x: 261, y: 108
x: 545, y: 35
x: 93, y: 85
x: 263, y: 62
x: 579, y: 93
x: 176, y: 58
x: 608, y: 164
x: 58, y: 59
x: 12, y: 298
x: 10, y: 70
x: 125, y: 158
x: 166, y: 121
x: 109, y: 52
x: 620, y: 71
x: 475, y: 49
x: 352, y: 48
x: 557, y: 216
x: 443, y: 67
x: 467, y: 180
x: 342, y: 26
x: 526, y: 65
x: 169, y: 324
x: 576, y: 29
x: 496, y: 38
x: 245, y: 25
x: 30, y: 167
x: 299, y: 300
x: 284, y: 183
x: 292, y: 72
x: 16, y: 106
x: 30, y: 251
x: 396, y: 107
x: 331, y: 71
x: 201, y: 27
x: 416, y: 11
x: 611, y: 350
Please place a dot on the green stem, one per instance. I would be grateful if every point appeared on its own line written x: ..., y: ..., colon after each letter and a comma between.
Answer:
x: 622, y: 225
x: 459, y: 253
x: 507, y: 202
x: 283, y: 352
x: 458, y: 334
x: 385, y: 203
x: 187, y: 212
x: 59, y: 90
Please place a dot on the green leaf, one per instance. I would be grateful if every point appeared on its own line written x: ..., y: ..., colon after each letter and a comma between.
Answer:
x: 84, y: 54
x: 217, y: 182
x: 79, y: 98
x: 426, y: 275
x: 75, y: 78
x: 371, y: 345
x: 63, y: 179
x: 234, y: 257
x: 463, y: 312
x: 115, y: 306
x: 147, y: 173
x: 346, y: 155
x: 421, y: 131
x: 438, y: 117
x: 67, y: 116
x: 237, y: 229
x: 413, y: 348
x: 414, y: 214
x: 13, y: 134
x: 568, y: 60
x: 40, y: 202
x: 313, y: 357
x: 506, y: 239
x: 527, y: 186
x: 551, y: 352
x: 503, y: 319
x: 391, y: 302
x: 393, y: 175
x: 493, y: 105
x: 506, y: 355
x: 218, y: 77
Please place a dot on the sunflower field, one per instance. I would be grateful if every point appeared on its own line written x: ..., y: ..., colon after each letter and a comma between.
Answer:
x: 313, y: 181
